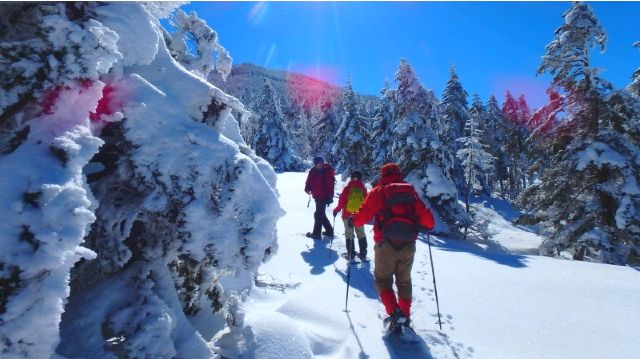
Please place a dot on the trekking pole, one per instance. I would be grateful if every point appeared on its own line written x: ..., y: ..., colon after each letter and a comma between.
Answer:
x: 439, y: 322
x: 334, y: 234
x: 346, y: 299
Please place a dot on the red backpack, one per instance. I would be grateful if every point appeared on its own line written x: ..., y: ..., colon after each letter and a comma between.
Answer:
x: 398, y: 219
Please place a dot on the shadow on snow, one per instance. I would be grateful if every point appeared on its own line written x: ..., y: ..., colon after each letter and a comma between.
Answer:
x: 400, y: 350
x: 361, y: 279
x: 490, y: 250
x: 319, y: 256
x: 501, y: 206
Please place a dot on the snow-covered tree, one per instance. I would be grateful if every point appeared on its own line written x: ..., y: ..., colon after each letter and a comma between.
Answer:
x: 126, y: 189
x: 588, y: 197
x: 382, y: 136
x: 541, y: 124
x: 514, y: 144
x: 417, y: 148
x: 495, y: 136
x: 324, y: 125
x: 352, y: 148
x: 474, y: 158
x: 455, y: 110
x: 455, y: 114
x: 194, y: 43
x: 567, y: 59
x: 270, y: 141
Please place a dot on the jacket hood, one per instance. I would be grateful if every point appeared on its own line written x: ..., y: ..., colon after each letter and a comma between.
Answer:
x: 392, y: 178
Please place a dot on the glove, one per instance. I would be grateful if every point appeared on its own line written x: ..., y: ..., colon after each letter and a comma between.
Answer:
x: 335, y: 212
x: 350, y: 222
x: 307, y: 191
x: 329, y: 201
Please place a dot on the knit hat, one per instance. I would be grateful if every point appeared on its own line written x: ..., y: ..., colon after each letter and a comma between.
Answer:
x: 356, y: 174
x: 390, y: 169
x: 317, y: 160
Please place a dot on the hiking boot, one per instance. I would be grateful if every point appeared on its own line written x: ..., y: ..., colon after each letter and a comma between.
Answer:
x: 314, y: 236
x: 363, y: 257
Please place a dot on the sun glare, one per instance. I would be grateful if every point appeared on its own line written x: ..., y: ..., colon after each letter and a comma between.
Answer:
x: 258, y: 12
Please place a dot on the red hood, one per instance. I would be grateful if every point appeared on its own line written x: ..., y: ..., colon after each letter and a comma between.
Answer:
x: 392, y: 178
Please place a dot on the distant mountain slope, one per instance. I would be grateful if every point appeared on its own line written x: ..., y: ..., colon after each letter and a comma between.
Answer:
x: 293, y: 89
x: 310, y: 109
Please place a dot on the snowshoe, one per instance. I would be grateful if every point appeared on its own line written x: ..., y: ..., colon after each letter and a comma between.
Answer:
x: 363, y: 259
x: 398, y: 326
x: 351, y: 257
x: 313, y: 236
x: 327, y: 234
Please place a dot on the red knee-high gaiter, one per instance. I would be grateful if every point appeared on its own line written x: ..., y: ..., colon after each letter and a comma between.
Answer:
x: 405, y: 306
x: 388, y: 298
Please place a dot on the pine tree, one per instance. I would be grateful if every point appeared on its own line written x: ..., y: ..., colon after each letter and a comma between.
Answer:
x: 455, y: 111
x: 495, y: 135
x: 475, y: 160
x: 514, y: 145
x: 455, y: 114
x: 324, y: 125
x: 418, y: 150
x: 583, y: 201
x: 510, y: 108
x: 351, y: 149
x: 523, y: 112
x: 270, y: 141
x: 382, y: 136
x: 541, y: 125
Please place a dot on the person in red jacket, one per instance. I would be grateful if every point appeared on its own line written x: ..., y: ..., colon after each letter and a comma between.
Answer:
x: 320, y: 184
x: 350, y: 201
x: 399, y: 215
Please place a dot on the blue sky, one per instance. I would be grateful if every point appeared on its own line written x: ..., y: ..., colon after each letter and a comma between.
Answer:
x: 496, y: 46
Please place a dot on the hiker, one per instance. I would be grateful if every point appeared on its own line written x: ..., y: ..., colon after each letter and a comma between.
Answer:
x: 399, y: 215
x: 320, y: 184
x: 351, y: 199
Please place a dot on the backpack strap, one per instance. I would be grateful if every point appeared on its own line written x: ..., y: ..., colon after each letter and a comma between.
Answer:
x: 383, y: 214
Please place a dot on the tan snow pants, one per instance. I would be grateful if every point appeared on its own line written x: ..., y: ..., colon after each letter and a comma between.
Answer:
x: 390, y: 262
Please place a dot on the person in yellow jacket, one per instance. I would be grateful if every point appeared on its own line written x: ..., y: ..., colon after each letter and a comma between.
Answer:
x: 350, y: 201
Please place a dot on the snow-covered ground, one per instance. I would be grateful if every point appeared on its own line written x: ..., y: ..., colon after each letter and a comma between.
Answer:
x: 498, y: 299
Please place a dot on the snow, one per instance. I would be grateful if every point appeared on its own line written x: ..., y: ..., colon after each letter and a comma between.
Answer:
x: 42, y: 238
x: 497, y: 299
x: 599, y: 154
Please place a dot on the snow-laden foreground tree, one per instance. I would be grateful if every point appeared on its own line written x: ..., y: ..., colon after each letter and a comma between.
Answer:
x: 588, y: 199
x: 135, y: 215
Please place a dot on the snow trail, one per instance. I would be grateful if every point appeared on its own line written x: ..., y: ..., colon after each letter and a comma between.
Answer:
x: 495, y: 300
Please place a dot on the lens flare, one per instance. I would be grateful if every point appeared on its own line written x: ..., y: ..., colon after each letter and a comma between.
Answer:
x: 257, y: 13
x: 534, y: 90
x: 307, y: 87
